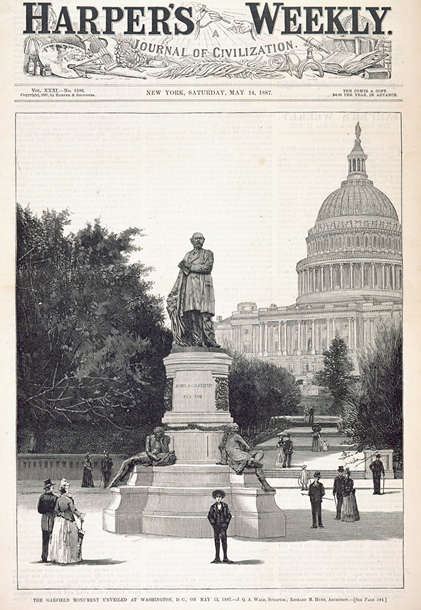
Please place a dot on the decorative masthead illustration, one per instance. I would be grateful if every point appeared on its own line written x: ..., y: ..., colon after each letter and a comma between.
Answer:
x: 202, y: 42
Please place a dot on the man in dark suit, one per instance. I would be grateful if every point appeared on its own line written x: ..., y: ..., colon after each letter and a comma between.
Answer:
x: 316, y: 491
x: 311, y: 416
x: 288, y: 448
x: 219, y: 517
x: 377, y: 470
x: 338, y: 491
x: 46, y: 504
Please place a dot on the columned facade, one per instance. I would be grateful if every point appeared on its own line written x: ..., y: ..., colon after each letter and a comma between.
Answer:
x: 350, y: 280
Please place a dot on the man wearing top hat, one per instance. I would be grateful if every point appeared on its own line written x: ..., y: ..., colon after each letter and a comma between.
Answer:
x: 219, y: 517
x: 316, y: 491
x: 377, y: 470
x: 46, y: 504
x: 338, y: 491
x: 288, y: 448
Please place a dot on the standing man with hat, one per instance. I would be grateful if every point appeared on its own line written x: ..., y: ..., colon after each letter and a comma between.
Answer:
x: 377, y: 470
x: 46, y: 504
x: 316, y: 491
x: 288, y: 448
x: 219, y: 517
x: 338, y: 491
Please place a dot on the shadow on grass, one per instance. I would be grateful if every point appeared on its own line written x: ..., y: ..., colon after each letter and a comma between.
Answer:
x: 371, y: 526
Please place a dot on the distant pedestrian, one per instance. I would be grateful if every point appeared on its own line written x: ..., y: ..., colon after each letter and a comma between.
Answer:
x: 340, y: 424
x: 303, y: 478
x: 377, y: 470
x: 46, y: 504
x: 325, y: 445
x: 311, y: 416
x: 106, y: 467
x: 316, y: 445
x: 288, y: 448
x: 219, y: 517
x: 349, y: 507
x: 279, y: 460
x: 338, y: 491
x: 305, y: 414
x: 87, y: 478
x: 316, y: 491
x: 32, y: 443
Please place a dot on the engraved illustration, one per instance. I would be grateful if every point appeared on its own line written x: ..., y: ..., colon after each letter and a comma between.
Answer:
x: 217, y: 43
x: 175, y: 425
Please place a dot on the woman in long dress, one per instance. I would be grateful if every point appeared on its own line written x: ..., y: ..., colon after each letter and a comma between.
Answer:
x: 65, y: 536
x: 87, y: 478
x: 316, y: 441
x: 279, y: 452
x: 349, y: 511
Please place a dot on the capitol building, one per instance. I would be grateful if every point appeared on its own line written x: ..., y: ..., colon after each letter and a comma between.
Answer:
x: 350, y: 279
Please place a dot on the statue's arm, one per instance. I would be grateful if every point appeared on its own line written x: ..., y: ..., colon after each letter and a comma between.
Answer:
x: 166, y: 444
x: 205, y: 267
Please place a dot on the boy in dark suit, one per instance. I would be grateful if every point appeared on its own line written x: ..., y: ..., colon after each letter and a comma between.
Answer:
x: 316, y: 491
x: 219, y: 517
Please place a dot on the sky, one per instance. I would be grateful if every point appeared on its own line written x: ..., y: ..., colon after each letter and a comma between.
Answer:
x: 252, y: 183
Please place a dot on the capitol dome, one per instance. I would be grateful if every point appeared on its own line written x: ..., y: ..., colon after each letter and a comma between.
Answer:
x: 357, y: 195
x: 354, y: 250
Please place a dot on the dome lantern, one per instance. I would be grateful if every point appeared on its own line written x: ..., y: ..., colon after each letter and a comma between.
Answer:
x: 357, y: 157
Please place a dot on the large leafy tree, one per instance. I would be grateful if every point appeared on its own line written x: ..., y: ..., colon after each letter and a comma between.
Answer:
x: 374, y: 409
x: 260, y: 390
x: 336, y: 372
x: 90, y: 335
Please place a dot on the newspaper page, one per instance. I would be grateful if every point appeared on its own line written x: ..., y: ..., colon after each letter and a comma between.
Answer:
x: 202, y: 305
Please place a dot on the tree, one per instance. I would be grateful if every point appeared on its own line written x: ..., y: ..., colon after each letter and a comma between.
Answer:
x: 90, y: 336
x: 374, y: 409
x: 336, y: 374
x: 260, y: 390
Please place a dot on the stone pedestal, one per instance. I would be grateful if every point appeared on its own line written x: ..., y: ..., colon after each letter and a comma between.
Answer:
x: 175, y: 500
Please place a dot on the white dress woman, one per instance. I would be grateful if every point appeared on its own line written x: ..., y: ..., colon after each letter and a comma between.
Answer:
x: 64, y: 540
x: 279, y: 452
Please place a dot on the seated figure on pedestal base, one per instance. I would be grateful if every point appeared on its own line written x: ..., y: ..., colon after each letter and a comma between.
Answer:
x: 238, y: 455
x: 157, y: 453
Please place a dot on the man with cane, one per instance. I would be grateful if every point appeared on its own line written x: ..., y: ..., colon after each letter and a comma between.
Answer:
x: 377, y: 470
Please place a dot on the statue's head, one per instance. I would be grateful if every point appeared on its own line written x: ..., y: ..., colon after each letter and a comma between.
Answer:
x: 234, y: 427
x: 159, y: 431
x: 197, y: 240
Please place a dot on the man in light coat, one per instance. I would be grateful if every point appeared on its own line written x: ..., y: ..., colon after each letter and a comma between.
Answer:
x: 191, y: 302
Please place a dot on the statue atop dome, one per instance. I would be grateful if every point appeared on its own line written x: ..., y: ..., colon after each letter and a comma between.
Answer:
x: 358, y: 130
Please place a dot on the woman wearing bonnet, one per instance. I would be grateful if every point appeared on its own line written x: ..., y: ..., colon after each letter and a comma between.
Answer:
x: 64, y: 540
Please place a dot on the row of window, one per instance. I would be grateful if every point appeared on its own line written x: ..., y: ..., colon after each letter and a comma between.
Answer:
x: 355, y: 241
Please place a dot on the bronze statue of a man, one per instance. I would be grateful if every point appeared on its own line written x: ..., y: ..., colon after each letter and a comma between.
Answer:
x: 191, y: 302
x: 157, y: 453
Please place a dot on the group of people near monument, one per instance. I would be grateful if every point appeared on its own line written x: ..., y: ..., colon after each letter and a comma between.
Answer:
x: 106, y: 469
x: 191, y: 305
x: 284, y: 451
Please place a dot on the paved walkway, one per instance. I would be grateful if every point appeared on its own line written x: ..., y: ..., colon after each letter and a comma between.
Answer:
x: 365, y: 554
